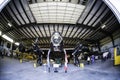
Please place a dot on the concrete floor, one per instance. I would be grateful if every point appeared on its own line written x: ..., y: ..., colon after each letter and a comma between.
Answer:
x: 12, y: 69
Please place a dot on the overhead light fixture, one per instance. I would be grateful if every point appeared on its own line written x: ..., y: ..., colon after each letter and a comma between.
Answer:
x: 9, y: 24
x: 0, y: 33
x: 7, y: 38
x: 16, y: 43
x: 103, y: 26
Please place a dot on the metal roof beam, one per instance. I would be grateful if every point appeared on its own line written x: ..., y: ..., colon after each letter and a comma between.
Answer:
x: 33, y: 24
x: 64, y: 38
x: 77, y: 25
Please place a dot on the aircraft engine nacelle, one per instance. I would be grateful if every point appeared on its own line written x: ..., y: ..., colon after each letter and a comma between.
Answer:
x: 56, y: 41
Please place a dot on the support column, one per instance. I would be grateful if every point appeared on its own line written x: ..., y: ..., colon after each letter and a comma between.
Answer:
x: 48, y: 60
x: 0, y: 40
x: 11, y: 45
x: 98, y: 45
x: 112, y: 40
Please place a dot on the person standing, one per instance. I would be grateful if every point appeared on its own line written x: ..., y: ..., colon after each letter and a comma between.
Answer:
x: 88, y: 60
x: 92, y: 58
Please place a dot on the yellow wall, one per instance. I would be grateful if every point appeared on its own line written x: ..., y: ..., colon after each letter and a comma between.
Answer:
x: 116, y: 57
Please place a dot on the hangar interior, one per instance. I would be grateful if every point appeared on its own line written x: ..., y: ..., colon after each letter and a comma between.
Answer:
x: 92, y: 23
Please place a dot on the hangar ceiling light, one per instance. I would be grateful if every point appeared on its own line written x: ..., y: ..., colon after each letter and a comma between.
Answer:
x: 103, y: 26
x: 7, y: 38
x: 56, y: 12
x: 9, y: 24
x: 16, y: 43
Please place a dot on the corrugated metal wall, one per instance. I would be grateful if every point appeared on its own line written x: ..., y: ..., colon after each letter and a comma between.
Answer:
x: 106, y: 43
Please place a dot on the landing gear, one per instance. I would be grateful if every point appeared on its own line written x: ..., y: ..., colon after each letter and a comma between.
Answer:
x: 76, y: 60
x: 39, y: 60
x: 56, y: 47
x: 48, y: 69
x: 65, y: 71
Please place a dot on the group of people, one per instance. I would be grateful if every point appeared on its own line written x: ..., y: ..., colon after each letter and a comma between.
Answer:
x: 90, y: 59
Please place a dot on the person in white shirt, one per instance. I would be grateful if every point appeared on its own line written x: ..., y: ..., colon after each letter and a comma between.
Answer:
x: 88, y: 60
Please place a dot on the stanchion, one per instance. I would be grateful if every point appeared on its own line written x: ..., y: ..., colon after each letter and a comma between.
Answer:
x: 35, y: 65
x: 45, y: 67
x: 21, y: 61
x: 81, y: 65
